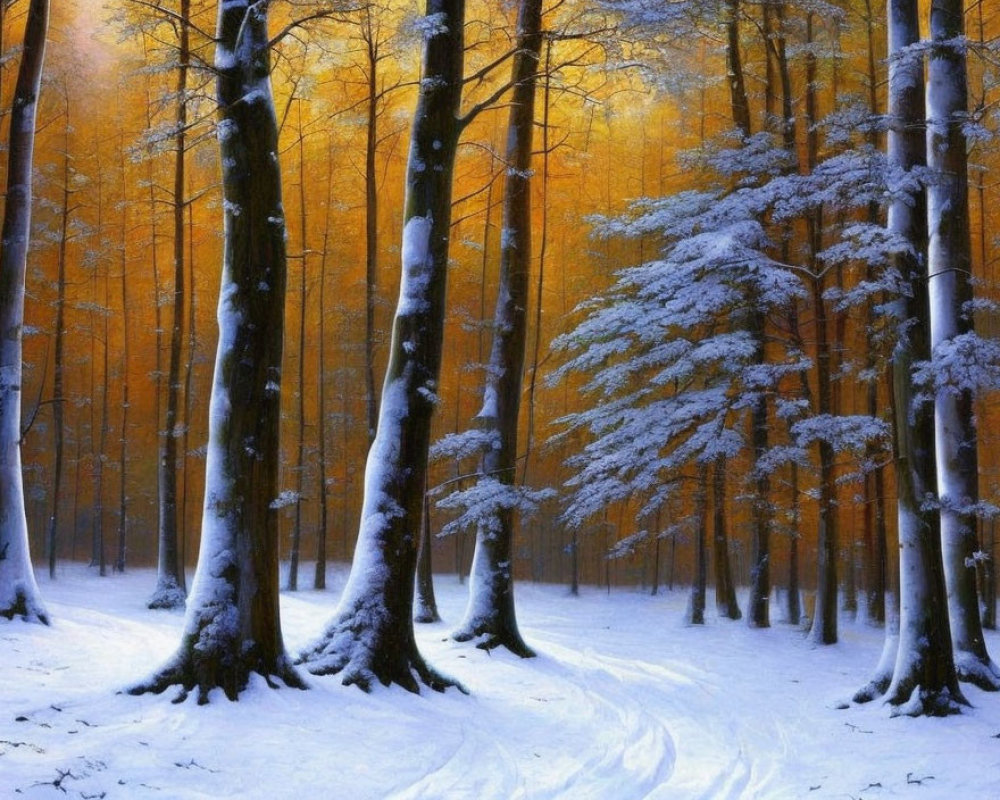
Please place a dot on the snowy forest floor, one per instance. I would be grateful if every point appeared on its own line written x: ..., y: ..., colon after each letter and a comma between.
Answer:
x: 624, y: 701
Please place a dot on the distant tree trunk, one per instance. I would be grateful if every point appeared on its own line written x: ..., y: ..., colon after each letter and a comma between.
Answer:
x: 794, y: 607
x: 123, y: 438
x: 426, y: 609
x: 371, y: 636
x: 949, y: 269
x: 170, y: 588
x: 319, y: 578
x: 986, y: 567
x: 824, y: 622
x: 19, y: 595
x: 696, y: 609
x: 490, y: 616
x: 233, y: 625
x: 300, y: 464
x: 371, y: 226
x: 876, y: 556
x: 59, y: 358
x: 725, y: 590
x: 656, y: 555
x: 923, y: 679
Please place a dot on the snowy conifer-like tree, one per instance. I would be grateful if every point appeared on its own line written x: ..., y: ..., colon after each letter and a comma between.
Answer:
x: 19, y: 596
x: 233, y: 628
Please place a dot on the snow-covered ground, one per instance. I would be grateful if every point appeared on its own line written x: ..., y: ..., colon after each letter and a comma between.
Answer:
x: 624, y: 701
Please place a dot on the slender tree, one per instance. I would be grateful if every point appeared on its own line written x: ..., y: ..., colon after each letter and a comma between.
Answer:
x: 370, y: 637
x: 19, y: 595
x: 233, y: 625
x: 490, y: 616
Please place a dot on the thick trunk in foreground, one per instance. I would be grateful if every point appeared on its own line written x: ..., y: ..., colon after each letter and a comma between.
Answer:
x: 19, y: 596
x: 923, y: 677
x: 371, y: 637
x: 949, y: 269
x: 490, y: 617
x: 170, y: 588
x: 233, y: 627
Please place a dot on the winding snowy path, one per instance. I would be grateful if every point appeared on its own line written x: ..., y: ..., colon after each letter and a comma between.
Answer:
x: 623, y: 701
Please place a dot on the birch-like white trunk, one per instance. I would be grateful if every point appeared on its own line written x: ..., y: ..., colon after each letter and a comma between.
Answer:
x: 950, y: 286
x: 19, y: 594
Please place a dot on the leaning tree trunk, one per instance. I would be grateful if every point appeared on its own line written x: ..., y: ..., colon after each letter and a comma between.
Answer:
x: 170, y: 585
x: 923, y: 678
x: 19, y: 594
x: 371, y: 637
x: 490, y: 616
x: 233, y: 626
x: 949, y: 269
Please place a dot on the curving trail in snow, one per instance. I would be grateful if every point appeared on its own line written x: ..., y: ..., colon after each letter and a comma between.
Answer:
x: 623, y: 702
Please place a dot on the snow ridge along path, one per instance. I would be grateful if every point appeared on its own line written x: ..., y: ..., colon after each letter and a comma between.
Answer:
x: 624, y: 701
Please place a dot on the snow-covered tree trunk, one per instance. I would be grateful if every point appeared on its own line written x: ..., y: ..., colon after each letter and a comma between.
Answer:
x: 923, y: 677
x: 233, y: 627
x: 370, y: 637
x: 19, y: 596
x: 949, y: 268
x: 490, y: 616
x: 170, y: 584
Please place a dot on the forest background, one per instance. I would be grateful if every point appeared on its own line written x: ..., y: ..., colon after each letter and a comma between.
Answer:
x: 612, y: 120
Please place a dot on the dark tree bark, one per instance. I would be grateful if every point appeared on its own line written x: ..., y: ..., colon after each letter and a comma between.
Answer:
x: 824, y: 623
x: 725, y: 589
x: 59, y: 358
x: 490, y: 617
x: 426, y: 609
x: 949, y: 270
x: 923, y: 678
x: 122, y: 550
x: 233, y: 625
x: 170, y: 585
x: 696, y: 608
x: 371, y: 636
x: 19, y: 595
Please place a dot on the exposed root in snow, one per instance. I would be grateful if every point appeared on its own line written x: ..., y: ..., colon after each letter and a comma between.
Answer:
x: 489, y: 634
x: 167, y: 595
x: 25, y: 608
x: 980, y: 672
x: 205, y: 671
x: 363, y: 655
x: 879, y: 684
x: 920, y: 702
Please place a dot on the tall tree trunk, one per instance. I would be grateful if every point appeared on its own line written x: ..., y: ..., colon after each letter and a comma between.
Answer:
x: 923, y: 679
x: 233, y: 625
x: 490, y: 616
x: 949, y: 270
x: 319, y: 577
x: 725, y: 589
x: 300, y: 464
x: 170, y: 588
x: 58, y: 390
x: 371, y: 636
x: 824, y: 623
x: 875, y: 533
x: 19, y: 595
x: 123, y: 438
x: 371, y: 225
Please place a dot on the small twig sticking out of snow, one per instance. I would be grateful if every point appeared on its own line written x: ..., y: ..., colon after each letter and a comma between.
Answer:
x: 911, y: 781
